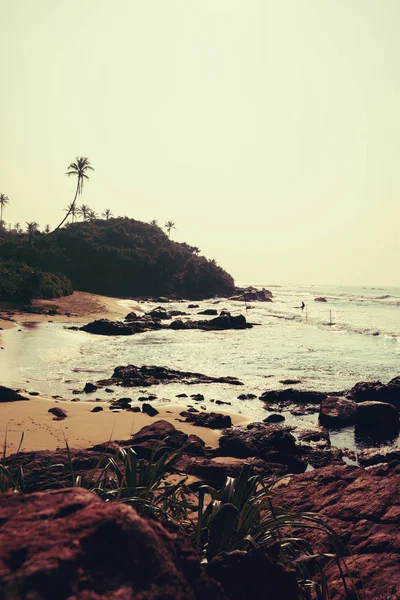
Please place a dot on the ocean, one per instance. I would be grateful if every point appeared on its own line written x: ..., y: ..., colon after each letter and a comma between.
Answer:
x: 328, y: 346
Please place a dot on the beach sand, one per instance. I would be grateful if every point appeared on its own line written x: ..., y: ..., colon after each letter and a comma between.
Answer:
x: 82, y: 428
x: 79, y: 307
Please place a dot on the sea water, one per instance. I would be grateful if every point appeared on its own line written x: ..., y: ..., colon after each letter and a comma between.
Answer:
x: 329, y: 346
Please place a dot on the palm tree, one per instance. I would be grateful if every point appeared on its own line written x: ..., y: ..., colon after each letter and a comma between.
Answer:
x: 154, y: 223
x: 92, y: 214
x: 47, y: 229
x: 107, y: 213
x: 78, y: 169
x: 3, y: 201
x: 31, y: 230
x: 83, y: 211
x: 71, y: 210
x: 168, y: 226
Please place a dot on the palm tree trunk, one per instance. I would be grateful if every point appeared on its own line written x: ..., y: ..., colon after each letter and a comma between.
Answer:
x: 68, y: 213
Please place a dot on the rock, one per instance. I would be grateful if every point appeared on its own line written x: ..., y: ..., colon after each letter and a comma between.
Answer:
x: 274, y: 418
x: 377, y: 416
x: 193, y: 306
x: 132, y: 316
x: 33, y: 393
x: 9, y: 395
x: 272, y: 443
x: 97, y: 409
x: 220, y: 402
x: 208, y: 311
x: 109, y: 390
x: 320, y: 299
x: 375, y: 456
x: 121, y: 403
x: 149, y: 410
x: 377, y: 391
x: 178, y: 324
x: 159, y: 313
x: 133, y: 376
x: 252, y: 294
x: 211, y: 420
x: 89, y: 388
x: 316, y: 435
x: 337, y: 412
x: 194, y: 445
x: 159, y: 430
x: 238, y: 572
x: 197, y: 397
x: 226, y: 321
x: 181, y: 396
x: 58, y: 412
x: 106, y: 327
x: 135, y: 409
x: 290, y: 381
x: 70, y: 544
x: 291, y: 395
x: 363, y: 506
x: 247, y: 397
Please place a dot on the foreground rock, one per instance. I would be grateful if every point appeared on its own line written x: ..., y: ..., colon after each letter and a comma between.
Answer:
x: 364, y: 507
x: 70, y: 544
x: 9, y: 395
x: 133, y: 376
x: 211, y: 420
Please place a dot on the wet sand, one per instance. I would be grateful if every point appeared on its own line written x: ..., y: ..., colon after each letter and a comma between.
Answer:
x: 82, y: 428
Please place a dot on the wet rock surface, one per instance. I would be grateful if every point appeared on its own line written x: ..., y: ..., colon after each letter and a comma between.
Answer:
x: 336, y: 412
x: 133, y: 376
x: 292, y: 396
x: 70, y: 544
x: 377, y: 391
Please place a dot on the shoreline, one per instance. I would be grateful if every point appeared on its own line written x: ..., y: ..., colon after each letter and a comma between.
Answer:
x: 79, y: 307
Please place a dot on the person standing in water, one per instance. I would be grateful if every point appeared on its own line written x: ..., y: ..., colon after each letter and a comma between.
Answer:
x: 302, y: 306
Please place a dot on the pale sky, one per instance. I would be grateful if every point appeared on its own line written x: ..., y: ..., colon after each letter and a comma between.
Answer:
x: 268, y: 130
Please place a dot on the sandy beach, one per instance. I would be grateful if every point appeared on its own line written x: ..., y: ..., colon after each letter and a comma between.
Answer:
x: 79, y: 307
x: 82, y: 428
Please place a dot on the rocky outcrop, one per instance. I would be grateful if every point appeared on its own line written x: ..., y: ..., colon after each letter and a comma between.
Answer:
x: 363, y: 507
x: 9, y: 395
x: 133, y: 376
x: 252, y: 294
x: 336, y: 412
x: 320, y: 299
x: 293, y: 396
x: 107, y: 327
x: 70, y: 544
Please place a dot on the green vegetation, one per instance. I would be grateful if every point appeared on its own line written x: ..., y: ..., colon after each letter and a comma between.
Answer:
x: 20, y: 283
x: 118, y: 257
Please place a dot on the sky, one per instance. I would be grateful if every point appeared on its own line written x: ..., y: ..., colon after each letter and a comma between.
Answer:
x: 267, y: 130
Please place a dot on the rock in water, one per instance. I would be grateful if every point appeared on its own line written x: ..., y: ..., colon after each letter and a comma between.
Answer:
x: 336, y: 412
x: 70, y: 544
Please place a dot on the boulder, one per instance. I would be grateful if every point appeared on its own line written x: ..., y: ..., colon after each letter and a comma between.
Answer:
x: 70, y: 544
x: 97, y: 409
x: 377, y: 391
x: 320, y: 299
x: 9, y: 395
x: 377, y: 415
x: 208, y: 311
x: 59, y: 413
x: 159, y: 313
x: 159, y: 430
x: 337, y: 412
x: 89, y: 388
x: 274, y: 418
x: 292, y: 395
x: 272, y: 443
x: 211, y: 420
x: 149, y: 409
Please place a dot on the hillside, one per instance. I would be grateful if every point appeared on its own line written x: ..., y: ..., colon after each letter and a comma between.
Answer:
x: 120, y: 257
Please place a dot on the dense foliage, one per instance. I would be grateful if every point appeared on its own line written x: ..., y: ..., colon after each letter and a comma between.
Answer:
x: 120, y: 257
x: 20, y: 283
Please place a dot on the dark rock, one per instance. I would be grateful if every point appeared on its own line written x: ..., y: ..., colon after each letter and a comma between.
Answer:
x: 316, y: 435
x: 251, y: 294
x: 132, y: 316
x: 181, y: 396
x: 97, y: 409
x: 238, y: 572
x: 320, y: 299
x: 159, y: 313
x: 193, y: 306
x: 70, y: 544
x: 377, y: 415
x: 149, y: 410
x: 208, y: 311
x: 272, y: 443
x: 291, y: 395
x: 337, y: 412
x: 58, y: 412
x: 132, y: 376
x: 177, y: 313
x: 109, y: 390
x: 274, y: 418
x: 226, y: 321
x: 220, y: 402
x: 178, y: 324
x: 106, y: 327
x: 247, y: 397
x: 159, y: 430
x: 89, y: 388
x: 375, y: 456
x: 135, y: 409
x: 290, y: 381
x: 121, y: 403
x: 211, y: 420
x: 33, y: 393
x: 194, y: 445
x: 377, y: 391
x: 9, y: 395
x: 197, y: 397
